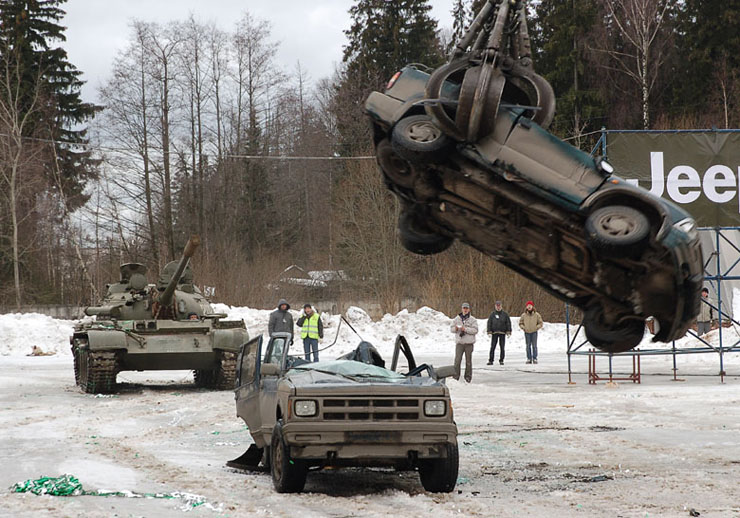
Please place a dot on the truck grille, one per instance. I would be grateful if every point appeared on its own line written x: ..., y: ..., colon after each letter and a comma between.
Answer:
x: 362, y: 409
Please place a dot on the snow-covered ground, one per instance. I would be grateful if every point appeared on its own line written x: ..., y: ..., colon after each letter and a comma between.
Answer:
x: 530, y: 443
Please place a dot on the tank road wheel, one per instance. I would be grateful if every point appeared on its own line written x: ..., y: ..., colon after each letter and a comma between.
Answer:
x: 223, y: 377
x: 417, y: 238
x: 288, y: 475
x: 418, y: 139
x: 398, y: 170
x: 617, y: 229
x: 612, y: 339
x: 440, y: 475
x: 97, y: 371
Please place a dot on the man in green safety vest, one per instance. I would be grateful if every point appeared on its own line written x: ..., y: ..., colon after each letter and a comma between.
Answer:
x: 311, y: 330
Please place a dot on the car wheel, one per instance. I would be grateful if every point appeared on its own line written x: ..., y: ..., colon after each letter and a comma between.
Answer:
x: 440, y: 475
x: 288, y: 475
x: 397, y: 169
x: 617, y: 228
x: 612, y: 339
x: 417, y: 139
x: 418, y: 238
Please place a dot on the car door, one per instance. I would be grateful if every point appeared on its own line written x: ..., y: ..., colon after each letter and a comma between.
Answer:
x: 247, y: 392
x: 275, y: 353
x: 402, y: 345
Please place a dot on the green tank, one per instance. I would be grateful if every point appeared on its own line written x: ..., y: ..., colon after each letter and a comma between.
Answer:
x: 169, y: 325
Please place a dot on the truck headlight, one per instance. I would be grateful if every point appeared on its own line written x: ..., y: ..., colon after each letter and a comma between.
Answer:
x: 305, y: 408
x: 435, y: 408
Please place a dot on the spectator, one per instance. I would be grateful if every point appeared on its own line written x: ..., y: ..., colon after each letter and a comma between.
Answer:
x: 281, y: 321
x: 311, y: 330
x: 499, y: 327
x: 706, y: 314
x: 530, y: 322
x: 465, y: 328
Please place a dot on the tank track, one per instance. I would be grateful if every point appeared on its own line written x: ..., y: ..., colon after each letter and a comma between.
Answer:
x: 95, y: 371
x: 223, y: 377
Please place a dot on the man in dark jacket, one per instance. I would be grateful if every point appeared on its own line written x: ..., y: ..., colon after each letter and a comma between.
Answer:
x: 280, y: 320
x: 499, y: 327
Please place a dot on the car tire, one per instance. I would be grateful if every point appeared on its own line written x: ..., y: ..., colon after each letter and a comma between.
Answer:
x: 418, y: 238
x: 610, y: 339
x: 617, y: 229
x: 288, y: 475
x: 440, y: 475
x: 396, y: 169
x: 418, y: 139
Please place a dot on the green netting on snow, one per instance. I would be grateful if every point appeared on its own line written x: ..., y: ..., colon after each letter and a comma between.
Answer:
x: 68, y: 485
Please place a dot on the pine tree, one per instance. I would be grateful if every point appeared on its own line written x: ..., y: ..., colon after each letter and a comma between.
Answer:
x: 385, y: 35
x: 30, y: 32
x: 709, y: 36
x: 459, y: 22
x: 560, y: 40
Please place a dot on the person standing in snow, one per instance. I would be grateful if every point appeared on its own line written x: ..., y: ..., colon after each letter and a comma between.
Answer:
x: 530, y: 322
x: 281, y: 321
x: 706, y: 314
x: 499, y: 327
x: 465, y: 328
x: 311, y: 330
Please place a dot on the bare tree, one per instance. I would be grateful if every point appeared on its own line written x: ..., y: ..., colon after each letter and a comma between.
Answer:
x: 20, y: 153
x: 638, y: 43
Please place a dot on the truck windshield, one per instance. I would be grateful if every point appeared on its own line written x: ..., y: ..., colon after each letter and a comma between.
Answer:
x: 351, y: 369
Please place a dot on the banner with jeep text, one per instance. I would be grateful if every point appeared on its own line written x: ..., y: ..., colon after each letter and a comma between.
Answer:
x: 697, y: 170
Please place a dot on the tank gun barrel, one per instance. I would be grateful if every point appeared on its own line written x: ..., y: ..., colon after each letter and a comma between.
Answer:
x: 193, y: 243
x: 101, y: 310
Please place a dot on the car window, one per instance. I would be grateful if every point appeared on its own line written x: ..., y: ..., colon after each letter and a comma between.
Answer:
x: 248, y: 367
x: 274, y: 353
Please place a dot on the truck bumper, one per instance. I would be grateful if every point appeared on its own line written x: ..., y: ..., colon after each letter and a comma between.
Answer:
x: 363, y: 444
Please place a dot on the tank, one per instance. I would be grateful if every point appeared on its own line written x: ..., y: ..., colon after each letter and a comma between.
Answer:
x: 169, y: 325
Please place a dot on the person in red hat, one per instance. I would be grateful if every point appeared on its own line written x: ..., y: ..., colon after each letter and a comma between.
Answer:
x: 530, y: 322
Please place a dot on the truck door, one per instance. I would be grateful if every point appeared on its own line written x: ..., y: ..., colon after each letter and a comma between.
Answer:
x: 247, y: 392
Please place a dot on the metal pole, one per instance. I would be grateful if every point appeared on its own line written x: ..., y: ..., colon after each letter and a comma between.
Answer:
x: 717, y: 233
x: 567, y: 338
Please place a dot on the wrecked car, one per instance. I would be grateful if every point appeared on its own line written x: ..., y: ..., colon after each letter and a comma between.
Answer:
x: 347, y: 412
x: 466, y: 150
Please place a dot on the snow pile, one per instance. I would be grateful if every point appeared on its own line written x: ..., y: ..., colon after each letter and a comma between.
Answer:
x: 20, y: 332
x: 427, y: 331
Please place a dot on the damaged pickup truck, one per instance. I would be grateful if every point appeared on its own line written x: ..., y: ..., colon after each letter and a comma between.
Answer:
x: 346, y: 412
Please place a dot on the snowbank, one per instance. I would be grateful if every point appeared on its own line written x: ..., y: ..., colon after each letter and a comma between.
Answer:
x: 20, y: 332
x: 427, y: 330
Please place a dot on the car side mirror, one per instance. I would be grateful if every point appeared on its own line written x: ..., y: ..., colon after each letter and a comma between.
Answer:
x: 270, y: 369
x: 444, y: 372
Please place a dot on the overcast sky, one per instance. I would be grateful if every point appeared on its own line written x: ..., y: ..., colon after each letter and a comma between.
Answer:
x: 309, y: 31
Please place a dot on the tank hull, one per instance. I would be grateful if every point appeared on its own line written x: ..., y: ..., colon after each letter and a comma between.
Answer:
x: 104, y: 348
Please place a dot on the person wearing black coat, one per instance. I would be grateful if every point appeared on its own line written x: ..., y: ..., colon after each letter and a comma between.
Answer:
x: 499, y: 327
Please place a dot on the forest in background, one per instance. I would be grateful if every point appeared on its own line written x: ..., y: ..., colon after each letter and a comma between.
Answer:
x: 199, y: 131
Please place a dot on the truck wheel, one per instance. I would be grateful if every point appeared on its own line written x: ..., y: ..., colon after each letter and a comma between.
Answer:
x: 617, y: 229
x: 397, y: 169
x: 417, y: 238
x: 440, y: 475
x: 417, y: 139
x: 288, y: 475
x: 611, y: 339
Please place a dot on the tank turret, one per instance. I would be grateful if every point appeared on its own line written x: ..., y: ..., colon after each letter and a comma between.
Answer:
x: 127, y: 299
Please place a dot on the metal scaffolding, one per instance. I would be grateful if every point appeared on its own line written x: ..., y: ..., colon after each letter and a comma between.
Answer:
x: 715, y: 278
